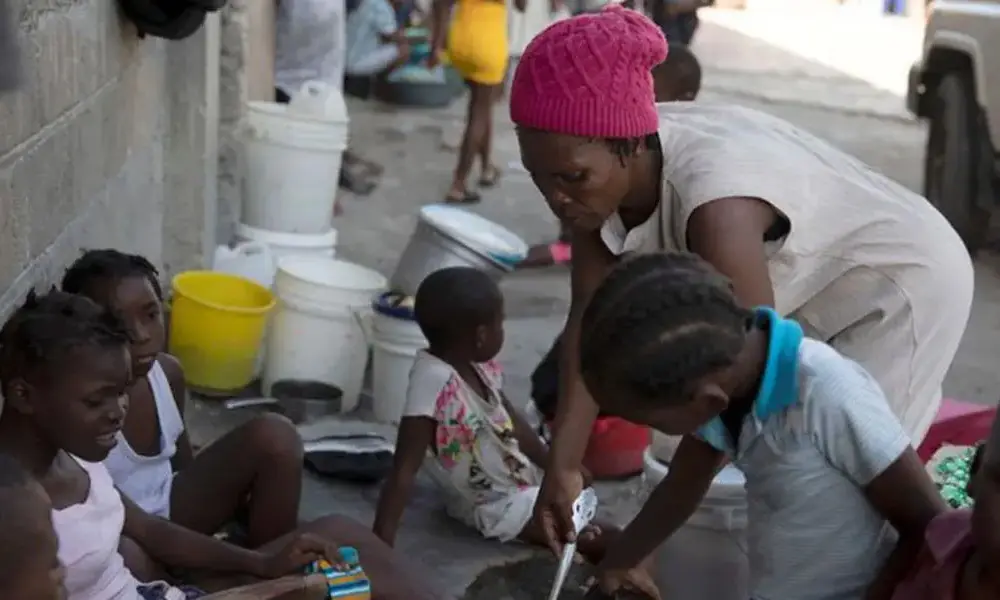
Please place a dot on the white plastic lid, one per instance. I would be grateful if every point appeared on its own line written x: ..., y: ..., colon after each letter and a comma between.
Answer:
x: 479, y: 233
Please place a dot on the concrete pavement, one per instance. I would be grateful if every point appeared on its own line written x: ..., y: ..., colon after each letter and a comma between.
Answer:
x: 756, y: 71
x: 812, y: 53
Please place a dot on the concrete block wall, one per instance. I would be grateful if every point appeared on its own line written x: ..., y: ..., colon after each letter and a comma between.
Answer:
x: 110, y: 142
x: 246, y: 74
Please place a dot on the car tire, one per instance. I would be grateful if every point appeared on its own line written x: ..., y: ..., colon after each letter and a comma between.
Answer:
x: 951, y: 160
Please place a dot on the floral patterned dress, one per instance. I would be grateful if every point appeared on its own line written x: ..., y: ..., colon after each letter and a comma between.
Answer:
x: 491, y: 485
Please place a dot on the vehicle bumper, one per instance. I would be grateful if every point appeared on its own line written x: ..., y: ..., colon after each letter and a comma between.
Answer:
x: 914, y: 89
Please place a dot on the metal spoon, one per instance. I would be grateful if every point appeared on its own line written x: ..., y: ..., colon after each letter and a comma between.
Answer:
x: 584, y: 510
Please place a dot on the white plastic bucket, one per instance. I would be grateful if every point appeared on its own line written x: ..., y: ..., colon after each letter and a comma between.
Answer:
x: 476, y: 232
x: 395, y: 343
x: 293, y: 162
x: 446, y: 236
x: 706, y: 559
x: 321, y: 327
x: 292, y: 244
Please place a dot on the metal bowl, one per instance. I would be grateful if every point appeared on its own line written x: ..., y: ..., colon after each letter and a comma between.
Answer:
x: 306, y: 401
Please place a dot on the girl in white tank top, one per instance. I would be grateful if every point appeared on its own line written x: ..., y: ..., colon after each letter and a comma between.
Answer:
x: 251, y: 476
x: 147, y: 479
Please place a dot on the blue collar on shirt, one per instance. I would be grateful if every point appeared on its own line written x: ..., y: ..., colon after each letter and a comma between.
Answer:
x: 779, y: 387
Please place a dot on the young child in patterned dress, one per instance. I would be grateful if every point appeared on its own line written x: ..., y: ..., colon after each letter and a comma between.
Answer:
x: 481, y: 451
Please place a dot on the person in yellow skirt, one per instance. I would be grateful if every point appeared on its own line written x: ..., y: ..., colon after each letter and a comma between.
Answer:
x: 475, y: 33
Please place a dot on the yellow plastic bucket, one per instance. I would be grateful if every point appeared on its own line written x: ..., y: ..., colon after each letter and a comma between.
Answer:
x: 217, y: 325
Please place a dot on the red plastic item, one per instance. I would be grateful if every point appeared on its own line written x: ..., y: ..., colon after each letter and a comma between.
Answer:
x: 957, y: 423
x: 615, y: 448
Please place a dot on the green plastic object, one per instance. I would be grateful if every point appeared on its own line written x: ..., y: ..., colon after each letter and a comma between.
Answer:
x: 953, y: 476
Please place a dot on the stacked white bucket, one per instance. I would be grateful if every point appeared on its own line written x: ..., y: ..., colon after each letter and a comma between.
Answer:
x: 293, y: 154
x: 396, y: 339
x: 321, y: 327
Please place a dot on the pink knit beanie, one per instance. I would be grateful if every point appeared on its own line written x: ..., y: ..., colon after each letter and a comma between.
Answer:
x: 590, y: 76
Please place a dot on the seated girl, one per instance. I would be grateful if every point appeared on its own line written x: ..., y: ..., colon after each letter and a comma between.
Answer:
x: 960, y: 559
x: 65, y: 368
x: 830, y: 472
x: 479, y: 448
x: 29, y: 565
x: 254, y: 472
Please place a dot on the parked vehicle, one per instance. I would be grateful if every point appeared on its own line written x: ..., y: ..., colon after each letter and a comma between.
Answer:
x: 955, y: 86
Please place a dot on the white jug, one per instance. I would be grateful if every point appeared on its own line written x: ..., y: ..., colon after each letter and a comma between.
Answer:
x: 318, y: 100
x: 250, y: 260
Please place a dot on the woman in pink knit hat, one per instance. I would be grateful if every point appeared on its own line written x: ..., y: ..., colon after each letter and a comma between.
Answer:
x: 858, y: 260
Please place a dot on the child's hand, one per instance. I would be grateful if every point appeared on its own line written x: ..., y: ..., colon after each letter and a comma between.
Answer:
x: 297, y: 554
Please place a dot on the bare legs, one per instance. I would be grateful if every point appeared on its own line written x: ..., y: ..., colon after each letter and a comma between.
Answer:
x: 476, y: 141
x: 256, y: 468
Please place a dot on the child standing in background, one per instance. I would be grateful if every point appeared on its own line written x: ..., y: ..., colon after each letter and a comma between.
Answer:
x: 830, y: 472
x: 477, y: 446
x: 678, y: 78
x: 475, y: 33
x: 253, y: 473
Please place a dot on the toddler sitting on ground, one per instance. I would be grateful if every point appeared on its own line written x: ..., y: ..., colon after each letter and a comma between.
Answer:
x: 479, y: 448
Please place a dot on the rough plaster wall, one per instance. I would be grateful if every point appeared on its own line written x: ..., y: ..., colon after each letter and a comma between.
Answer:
x: 234, y: 75
x: 84, y: 142
x: 191, y: 150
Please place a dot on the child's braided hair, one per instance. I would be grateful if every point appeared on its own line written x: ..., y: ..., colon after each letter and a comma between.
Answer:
x: 108, y: 266
x: 659, y: 322
x: 47, y: 328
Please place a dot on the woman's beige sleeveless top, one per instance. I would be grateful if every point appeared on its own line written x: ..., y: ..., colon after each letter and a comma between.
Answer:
x: 861, y: 248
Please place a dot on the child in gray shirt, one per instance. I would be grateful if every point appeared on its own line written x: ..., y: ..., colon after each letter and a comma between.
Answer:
x: 837, y: 499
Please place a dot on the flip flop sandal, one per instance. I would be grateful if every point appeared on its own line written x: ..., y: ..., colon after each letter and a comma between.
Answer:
x: 562, y: 253
x: 468, y: 197
x: 491, y: 178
